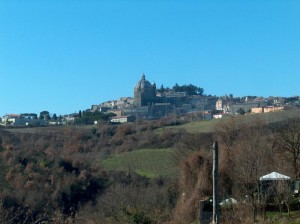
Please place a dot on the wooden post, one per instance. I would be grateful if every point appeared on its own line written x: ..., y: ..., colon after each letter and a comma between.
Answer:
x: 216, y: 215
x: 201, y: 218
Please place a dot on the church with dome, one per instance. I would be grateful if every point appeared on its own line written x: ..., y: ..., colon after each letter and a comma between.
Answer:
x: 148, y: 102
x: 144, y: 93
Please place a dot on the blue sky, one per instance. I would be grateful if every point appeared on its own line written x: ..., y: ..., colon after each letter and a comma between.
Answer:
x: 65, y: 55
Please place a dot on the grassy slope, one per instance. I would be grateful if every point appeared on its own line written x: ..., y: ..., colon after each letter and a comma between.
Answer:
x: 193, y: 127
x: 208, y: 126
x: 146, y: 162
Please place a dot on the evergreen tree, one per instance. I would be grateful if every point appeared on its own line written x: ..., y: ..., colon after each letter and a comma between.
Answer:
x: 44, y: 115
x: 54, y: 117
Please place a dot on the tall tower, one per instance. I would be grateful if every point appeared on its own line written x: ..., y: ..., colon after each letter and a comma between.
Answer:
x: 144, y: 92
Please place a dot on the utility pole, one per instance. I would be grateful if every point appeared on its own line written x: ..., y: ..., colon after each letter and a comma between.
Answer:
x: 216, y: 213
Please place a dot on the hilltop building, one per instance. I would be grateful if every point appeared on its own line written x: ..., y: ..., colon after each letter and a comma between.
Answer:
x: 144, y: 92
x: 150, y: 103
x: 245, y: 106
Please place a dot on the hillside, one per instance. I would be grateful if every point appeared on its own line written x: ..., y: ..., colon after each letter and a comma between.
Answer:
x: 121, y: 173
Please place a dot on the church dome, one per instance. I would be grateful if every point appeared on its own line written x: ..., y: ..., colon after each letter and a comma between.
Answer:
x: 144, y: 92
x: 143, y: 84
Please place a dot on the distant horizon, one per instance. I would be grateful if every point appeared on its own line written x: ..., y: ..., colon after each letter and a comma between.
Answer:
x: 64, y: 56
x: 89, y: 107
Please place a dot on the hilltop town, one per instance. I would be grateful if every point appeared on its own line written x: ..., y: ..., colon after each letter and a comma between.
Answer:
x: 150, y: 102
x: 81, y: 168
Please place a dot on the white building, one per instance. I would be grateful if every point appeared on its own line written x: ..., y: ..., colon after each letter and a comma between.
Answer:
x: 122, y: 119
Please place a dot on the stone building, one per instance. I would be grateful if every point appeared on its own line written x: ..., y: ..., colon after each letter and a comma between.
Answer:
x: 144, y: 93
x: 148, y: 104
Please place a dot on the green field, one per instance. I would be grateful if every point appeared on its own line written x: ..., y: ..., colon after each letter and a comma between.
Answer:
x: 193, y: 127
x: 150, y: 163
x: 207, y: 126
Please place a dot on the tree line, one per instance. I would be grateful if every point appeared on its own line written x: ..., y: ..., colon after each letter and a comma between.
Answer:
x: 189, y: 89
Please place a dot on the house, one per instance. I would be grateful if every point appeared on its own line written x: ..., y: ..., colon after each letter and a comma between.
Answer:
x: 219, y: 104
x: 246, y: 106
x: 54, y: 123
x: 10, y: 119
x: 268, y: 109
x: 122, y: 119
x: 18, y: 120
x: 218, y: 116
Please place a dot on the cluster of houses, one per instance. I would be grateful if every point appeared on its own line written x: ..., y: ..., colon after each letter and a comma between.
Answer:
x: 150, y: 103
x: 26, y: 120
x: 20, y: 120
x: 229, y: 106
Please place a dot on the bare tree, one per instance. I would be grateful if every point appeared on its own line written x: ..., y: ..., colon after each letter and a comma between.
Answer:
x: 284, y: 195
x: 252, y: 160
x: 288, y: 144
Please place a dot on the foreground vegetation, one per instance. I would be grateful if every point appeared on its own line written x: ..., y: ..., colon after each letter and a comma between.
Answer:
x: 147, y: 172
